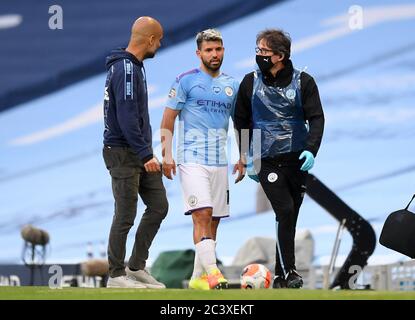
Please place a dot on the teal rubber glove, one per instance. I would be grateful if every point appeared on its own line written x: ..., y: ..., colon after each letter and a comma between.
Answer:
x: 250, y: 170
x: 254, y: 177
x: 308, y: 162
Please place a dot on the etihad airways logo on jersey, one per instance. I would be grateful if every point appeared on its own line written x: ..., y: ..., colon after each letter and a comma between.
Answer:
x: 212, y: 103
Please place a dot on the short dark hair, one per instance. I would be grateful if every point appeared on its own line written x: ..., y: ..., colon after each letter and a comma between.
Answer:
x: 278, y: 40
x: 208, y: 35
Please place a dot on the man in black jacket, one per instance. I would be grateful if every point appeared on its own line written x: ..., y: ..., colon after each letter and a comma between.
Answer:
x: 282, y: 105
x: 128, y: 155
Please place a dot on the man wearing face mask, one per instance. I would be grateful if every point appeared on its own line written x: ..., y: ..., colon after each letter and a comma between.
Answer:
x: 283, y: 105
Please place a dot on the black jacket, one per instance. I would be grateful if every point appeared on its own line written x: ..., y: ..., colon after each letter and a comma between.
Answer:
x: 127, y: 123
x: 313, y: 111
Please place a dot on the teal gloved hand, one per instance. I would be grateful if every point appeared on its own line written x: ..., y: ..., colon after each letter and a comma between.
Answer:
x: 308, y: 162
x: 250, y: 170
x: 254, y: 177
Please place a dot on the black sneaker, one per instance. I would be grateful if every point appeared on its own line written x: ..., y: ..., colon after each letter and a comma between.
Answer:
x: 279, y: 283
x: 294, y: 280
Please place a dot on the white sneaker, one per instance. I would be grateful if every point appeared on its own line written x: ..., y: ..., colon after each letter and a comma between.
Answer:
x: 145, y: 278
x: 124, y: 282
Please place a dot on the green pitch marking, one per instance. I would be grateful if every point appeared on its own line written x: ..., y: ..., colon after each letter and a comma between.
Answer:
x: 44, y: 293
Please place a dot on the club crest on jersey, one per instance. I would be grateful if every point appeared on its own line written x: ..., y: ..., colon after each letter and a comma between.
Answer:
x: 192, y: 201
x: 172, y: 93
x: 216, y: 90
x: 290, y: 94
x: 272, y: 177
x: 229, y: 91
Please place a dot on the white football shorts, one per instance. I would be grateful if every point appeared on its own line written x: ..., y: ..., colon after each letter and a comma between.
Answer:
x: 205, y: 187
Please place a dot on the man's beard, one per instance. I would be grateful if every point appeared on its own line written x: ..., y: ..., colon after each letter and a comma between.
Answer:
x: 212, y: 67
x: 149, y: 55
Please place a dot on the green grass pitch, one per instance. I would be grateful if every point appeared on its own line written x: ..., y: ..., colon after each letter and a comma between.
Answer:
x: 45, y: 293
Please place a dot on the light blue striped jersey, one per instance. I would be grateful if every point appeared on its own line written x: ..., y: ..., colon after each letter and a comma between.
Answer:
x: 205, y: 105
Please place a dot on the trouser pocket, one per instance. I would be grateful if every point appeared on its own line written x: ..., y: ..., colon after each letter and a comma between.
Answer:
x: 125, y: 183
x: 114, y: 157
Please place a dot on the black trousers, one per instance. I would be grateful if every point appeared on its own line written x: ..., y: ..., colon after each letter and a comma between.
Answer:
x: 129, y: 179
x: 284, y: 185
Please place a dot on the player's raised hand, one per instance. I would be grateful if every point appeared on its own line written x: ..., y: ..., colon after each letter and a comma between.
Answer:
x: 152, y: 165
x: 169, y: 167
x: 240, y: 166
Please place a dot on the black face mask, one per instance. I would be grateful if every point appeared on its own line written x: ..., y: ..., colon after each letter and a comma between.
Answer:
x: 264, y: 63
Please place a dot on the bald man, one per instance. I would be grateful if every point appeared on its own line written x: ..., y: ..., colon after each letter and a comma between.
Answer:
x: 128, y: 156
